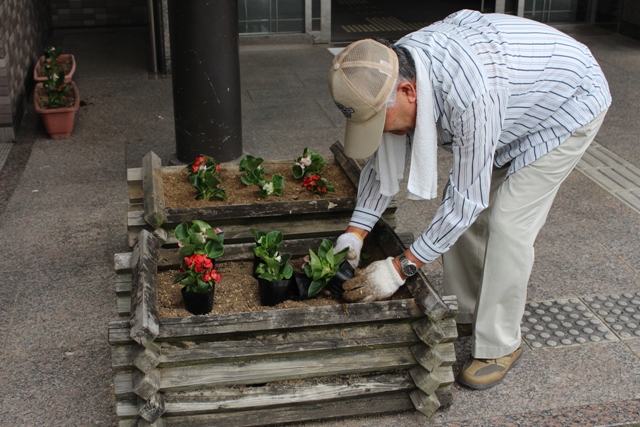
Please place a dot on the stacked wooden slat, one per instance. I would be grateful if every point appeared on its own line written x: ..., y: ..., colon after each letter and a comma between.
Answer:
x: 326, y: 217
x: 268, y: 367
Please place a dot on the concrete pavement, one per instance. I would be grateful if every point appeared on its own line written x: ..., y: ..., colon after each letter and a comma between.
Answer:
x: 63, y: 217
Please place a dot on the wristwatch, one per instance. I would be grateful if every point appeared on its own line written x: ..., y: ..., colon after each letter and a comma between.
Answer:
x: 408, y: 267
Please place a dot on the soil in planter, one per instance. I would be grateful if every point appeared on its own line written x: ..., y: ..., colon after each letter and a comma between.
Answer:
x: 238, y: 291
x: 64, y: 65
x: 68, y: 101
x: 180, y: 193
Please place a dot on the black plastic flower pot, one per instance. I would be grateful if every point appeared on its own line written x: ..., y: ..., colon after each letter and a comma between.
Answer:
x: 197, y: 302
x: 302, y: 283
x: 345, y: 272
x: 276, y: 291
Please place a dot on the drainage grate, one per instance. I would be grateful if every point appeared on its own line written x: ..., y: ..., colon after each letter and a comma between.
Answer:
x: 620, y: 312
x: 563, y: 322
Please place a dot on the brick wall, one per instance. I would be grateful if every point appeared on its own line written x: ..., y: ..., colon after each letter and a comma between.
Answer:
x: 92, y: 13
x: 25, y: 26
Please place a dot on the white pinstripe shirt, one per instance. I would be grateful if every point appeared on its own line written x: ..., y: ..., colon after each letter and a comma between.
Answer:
x: 506, y: 90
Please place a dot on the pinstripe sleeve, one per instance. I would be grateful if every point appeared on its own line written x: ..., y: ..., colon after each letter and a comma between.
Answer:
x: 476, y: 133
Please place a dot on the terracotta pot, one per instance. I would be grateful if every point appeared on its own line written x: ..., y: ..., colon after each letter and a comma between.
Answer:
x: 67, y: 78
x: 58, y: 122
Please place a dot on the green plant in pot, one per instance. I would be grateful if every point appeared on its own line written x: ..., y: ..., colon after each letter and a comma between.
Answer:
x: 322, y: 267
x: 200, y: 244
x: 203, y: 174
x: 57, y: 102
x: 254, y: 175
x: 309, y: 168
x: 272, y: 268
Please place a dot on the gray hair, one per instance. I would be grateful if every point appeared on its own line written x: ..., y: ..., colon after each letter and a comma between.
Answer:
x: 406, y: 68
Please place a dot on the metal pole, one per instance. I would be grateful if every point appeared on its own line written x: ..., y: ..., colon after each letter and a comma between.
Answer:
x: 206, y: 79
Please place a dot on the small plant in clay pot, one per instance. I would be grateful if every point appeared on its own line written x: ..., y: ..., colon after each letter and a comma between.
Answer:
x: 320, y: 269
x: 254, y: 175
x: 309, y: 168
x: 203, y: 174
x: 57, y: 102
x: 200, y: 244
x: 54, y: 61
x: 272, y: 268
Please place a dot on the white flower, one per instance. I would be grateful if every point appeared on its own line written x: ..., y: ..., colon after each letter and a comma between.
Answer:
x: 202, y: 167
x: 306, y: 161
x: 180, y: 244
x: 268, y: 187
x: 204, y: 238
x: 55, y: 76
x: 277, y: 256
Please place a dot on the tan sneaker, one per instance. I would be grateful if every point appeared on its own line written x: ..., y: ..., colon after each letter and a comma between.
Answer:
x: 464, y: 329
x: 480, y: 374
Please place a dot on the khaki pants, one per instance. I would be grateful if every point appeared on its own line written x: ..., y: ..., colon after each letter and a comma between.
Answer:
x: 488, y: 267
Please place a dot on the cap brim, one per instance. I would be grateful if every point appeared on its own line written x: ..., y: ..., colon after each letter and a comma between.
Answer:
x: 361, y: 140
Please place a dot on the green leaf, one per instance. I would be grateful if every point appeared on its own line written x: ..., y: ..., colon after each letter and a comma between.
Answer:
x: 315, y: 262
x: 315, y: 287
x: 246, y: 180
x: 297, y: 171
x: 257, y: 234
x: 325, y: 247
x: 187, y: 250
x: 181, y: 231
x: 214, y: 249
x: 288, y: 271
x: 201, y: 225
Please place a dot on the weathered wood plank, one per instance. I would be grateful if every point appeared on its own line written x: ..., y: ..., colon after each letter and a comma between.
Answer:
x: 425, y: 296
x: 122, y: 263
x: 152, y: 408
x: 433, y: 333
x: 452, y: 304
x: 141, y: 422
x: 211, y: 213
x: 277, y: 369
x: 155, y: 212
x: 286, y: 368
x: 350, y: 167
x: 369, y: 405
x: 145, y: 358
x: 144, y: 290
x: 426, y: 404
x: 431, y: 358
x: 118, y: 332
x: 173, y: 353
x: 275, y: 394
x: 143, y: 384
x: 294, y: 318
x: 429, y: 382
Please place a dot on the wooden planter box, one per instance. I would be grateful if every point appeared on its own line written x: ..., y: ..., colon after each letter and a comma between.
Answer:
x: 328, y: 216
x: 277, y: 366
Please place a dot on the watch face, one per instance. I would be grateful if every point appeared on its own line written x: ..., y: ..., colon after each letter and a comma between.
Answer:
x: 409, y: 270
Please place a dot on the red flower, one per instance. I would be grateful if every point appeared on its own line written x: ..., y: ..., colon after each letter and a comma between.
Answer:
x: 217, y: 168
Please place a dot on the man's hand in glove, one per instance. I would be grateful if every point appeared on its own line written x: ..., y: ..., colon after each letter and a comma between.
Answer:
x: 378, y: 281
x: 353, y: 241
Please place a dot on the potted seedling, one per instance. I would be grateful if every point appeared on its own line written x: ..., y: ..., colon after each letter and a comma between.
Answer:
x: 54, y: 61
x: 203, y: 174
x: 57, y: 102
x: 200, y: 244
x: 309, y: 168
x: 272, y: 269
x: 321, y: 271
x: 254, y: 175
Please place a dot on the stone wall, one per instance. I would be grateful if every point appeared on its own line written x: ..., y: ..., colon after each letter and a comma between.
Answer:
x: 25, y: 26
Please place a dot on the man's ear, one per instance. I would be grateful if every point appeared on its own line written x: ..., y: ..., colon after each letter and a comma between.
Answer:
x: 408, y: 89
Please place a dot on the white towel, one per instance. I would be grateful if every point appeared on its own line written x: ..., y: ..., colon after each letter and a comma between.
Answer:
x: 391, y: 155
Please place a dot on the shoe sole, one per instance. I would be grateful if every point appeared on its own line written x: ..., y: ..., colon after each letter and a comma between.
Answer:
x: 493, y: 384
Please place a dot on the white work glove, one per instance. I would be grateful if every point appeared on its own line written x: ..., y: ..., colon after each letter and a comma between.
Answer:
x: 378, y: 281
x: 354, y: 243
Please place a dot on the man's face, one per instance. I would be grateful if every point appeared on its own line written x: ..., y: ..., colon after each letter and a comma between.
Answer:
x: 402, y: 117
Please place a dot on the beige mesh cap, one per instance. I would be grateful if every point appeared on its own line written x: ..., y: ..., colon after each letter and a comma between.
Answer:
x: 360, y: 81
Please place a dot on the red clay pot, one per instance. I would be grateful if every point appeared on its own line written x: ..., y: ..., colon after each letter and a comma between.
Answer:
x: 64, y: 56
x: 58, y: 122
